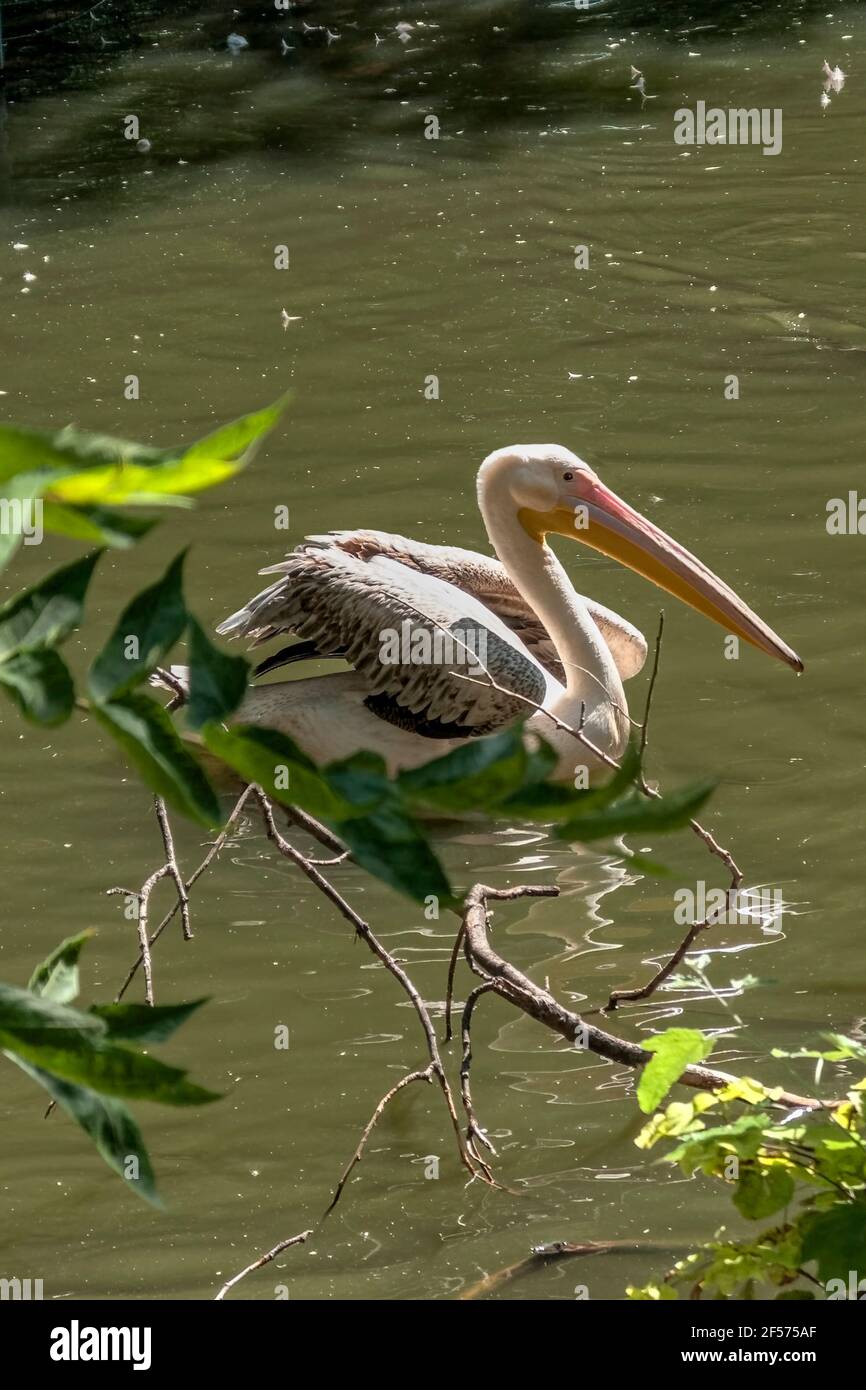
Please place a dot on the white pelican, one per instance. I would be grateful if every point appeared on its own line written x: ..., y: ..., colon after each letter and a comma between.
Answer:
x: 527, y: 643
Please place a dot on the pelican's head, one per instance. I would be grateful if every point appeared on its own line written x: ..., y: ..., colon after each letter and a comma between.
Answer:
x: 552, y: 490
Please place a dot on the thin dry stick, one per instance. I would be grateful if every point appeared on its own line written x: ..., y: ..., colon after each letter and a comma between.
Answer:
x: 449, y: 991
x: 142, y: 915
x: 362, y: 928
x: 617, y: 996
x: 644, y: 731
x: 319, y: 832
x: 172, y: 865
x: 263, y: 1260
x: 544, y: 1255
x: 213, y: 851
x: 473, y: 1129
x: 703, y: 834
x: 162, y: 676
x: 407, y: 1080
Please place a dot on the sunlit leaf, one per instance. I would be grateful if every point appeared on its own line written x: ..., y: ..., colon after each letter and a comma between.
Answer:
x: 19, y: 513
x: 57, y: 977
x: 235, y: 440
x: 673, y: 1051
x: 55, y: 453
x: 102, y: 525
x: 652, y: 1293
x: 135, y: 485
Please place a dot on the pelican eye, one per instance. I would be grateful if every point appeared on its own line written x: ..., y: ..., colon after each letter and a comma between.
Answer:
x: 567, y: 477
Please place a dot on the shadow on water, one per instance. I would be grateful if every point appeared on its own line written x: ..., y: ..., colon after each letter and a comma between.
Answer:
x: 314, y: 80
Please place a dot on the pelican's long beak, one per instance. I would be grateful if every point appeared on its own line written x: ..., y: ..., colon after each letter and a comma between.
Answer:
x: 607, y: 523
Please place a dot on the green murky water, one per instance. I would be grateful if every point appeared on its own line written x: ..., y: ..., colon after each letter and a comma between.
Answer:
x: 453, y: 257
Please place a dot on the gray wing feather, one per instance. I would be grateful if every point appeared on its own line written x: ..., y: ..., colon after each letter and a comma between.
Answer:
x: 486, y: 579
x: 394, y: 621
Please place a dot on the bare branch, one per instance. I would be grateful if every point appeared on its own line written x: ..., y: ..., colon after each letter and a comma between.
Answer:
x: 425, y: 1075
x: 213, y: 851
x: 644, y: 732
x: 473, y: 1130
x: 363, y: 930
x: 540, y: 1004
x: 263, y: 1260
x: 172, y: 866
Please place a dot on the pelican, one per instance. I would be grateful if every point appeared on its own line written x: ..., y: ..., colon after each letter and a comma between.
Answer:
x: 448, y: 645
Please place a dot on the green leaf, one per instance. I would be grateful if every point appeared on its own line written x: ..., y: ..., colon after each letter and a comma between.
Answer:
x: 57, y: 977
x: 104, y: 525
x: 147, y: 629
x: 56, y: 453
x: 747, y: 1089
x: 111, y: 1070
x: 836, y: 1240
x: 479, y: 773
x: 762, y: 1190
x: 680, y: 1117
x: 217, y: 682
x: 136, y: 477
x: 43, y: 615
x: 636, y: 813
x: 22, y: 1009
x: 76, y: 1046
x: 381, y: 832
x: 652, y: 1293
x: 388, y: 844
x: 144, y: 1023
x: 233, y: 441
x: 844, y: 1049
x: 18, y: 513
x: 40, y: 684
x: 673, y: 1051
x: 743, y: 1136
x: 134, y: 485
x: 151, y: 743
x: 557, y: 801
x: 107, y: 1122
x: 278, y: 765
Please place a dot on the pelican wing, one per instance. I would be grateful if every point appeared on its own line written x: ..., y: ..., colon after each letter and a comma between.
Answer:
x: 486, y: 579
x: 437, y: 659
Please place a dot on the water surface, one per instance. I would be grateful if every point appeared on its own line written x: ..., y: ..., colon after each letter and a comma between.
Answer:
x: 454, y: 257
